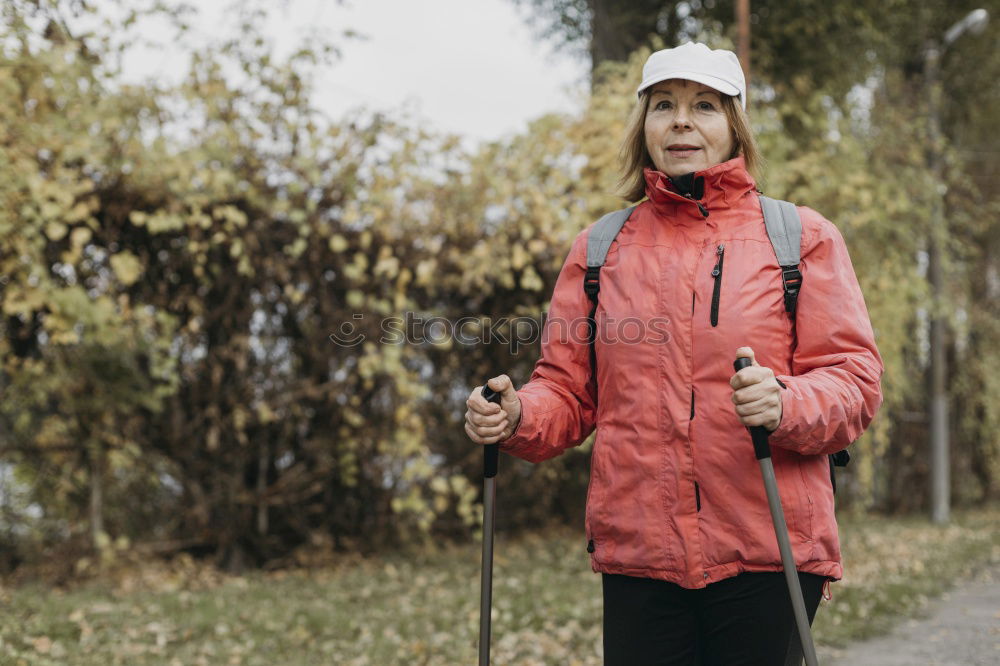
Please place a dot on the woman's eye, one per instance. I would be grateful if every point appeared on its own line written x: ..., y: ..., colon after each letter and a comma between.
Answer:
x: 663, y: 105
x: 705, y: 106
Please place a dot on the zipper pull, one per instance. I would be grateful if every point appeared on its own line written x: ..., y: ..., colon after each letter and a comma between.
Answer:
x: 718, y: 262
x: 717, y: 290
x: 701, y: 206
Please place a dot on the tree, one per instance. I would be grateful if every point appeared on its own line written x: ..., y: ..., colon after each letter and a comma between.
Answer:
x: 607, y: 30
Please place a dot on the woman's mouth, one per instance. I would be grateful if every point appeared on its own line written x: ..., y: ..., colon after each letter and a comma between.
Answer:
x: 682, y: 150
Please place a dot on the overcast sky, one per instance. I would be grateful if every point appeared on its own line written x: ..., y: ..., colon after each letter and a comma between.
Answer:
x: 473, y: 67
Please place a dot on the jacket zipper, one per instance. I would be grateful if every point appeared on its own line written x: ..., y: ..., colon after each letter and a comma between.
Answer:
x: 697, y: 497
x: 701, y: 207
x: 717, y: 274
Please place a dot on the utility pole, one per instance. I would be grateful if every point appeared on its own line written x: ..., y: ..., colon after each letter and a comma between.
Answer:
x: 940, y: 459
x: 938, y: 407
x: 743, y: 37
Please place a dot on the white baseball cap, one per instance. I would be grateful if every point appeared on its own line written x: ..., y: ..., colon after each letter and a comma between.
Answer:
x: 719, y: 69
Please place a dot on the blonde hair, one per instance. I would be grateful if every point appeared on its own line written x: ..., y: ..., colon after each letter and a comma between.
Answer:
x: 633, y: 156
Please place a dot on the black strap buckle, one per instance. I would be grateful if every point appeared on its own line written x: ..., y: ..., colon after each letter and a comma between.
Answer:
x: 592, y: 282
x: 791, y: 280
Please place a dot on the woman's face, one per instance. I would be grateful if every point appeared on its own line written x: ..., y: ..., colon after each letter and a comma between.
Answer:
x: 686, y: 127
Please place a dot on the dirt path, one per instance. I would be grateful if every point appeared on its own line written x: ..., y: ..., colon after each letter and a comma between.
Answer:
x: 961, y: 629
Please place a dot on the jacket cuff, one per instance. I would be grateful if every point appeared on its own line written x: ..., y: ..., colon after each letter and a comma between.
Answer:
x: 520, y: 441
x: 786, y: 435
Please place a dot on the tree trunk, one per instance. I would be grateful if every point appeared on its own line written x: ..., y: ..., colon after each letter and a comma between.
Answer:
x: 743, y: 37
x: 262, y: 464
x: 618, y: 28
x: 96, y: 493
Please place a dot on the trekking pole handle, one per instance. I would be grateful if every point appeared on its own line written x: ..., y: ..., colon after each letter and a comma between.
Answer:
x: 758, y: 434
x: 491, y: 452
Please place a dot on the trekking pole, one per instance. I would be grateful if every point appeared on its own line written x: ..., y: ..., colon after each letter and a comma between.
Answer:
x: 491, y: 460
x: 763, y: 452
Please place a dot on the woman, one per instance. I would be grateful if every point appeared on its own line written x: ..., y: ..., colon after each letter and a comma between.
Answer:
x: 677, y: 518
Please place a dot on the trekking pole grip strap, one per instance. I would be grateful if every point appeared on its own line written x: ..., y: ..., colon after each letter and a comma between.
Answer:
x: 491, y: 452
x: 758, y: 434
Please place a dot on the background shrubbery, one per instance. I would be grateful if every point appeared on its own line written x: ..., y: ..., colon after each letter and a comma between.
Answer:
x: 173, y: 260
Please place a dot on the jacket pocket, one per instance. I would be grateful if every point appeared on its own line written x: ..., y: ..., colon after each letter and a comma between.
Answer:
x: 806, y: 505
x: 717, y: 289
x: 594, y: 496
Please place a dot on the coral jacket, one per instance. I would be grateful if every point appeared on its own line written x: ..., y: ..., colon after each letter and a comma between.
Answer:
x: 675, y: 491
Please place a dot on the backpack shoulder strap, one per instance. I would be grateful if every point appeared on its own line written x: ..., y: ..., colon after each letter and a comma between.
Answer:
x: 602, y: 234
x: 784, y: 228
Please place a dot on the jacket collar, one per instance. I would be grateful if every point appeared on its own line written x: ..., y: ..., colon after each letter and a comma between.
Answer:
x: 723, y: 186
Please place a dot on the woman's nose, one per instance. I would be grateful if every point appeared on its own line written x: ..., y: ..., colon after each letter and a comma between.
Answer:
x: 681, y: 120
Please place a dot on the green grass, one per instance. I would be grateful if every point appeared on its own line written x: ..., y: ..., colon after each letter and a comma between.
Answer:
x: 424, y: 609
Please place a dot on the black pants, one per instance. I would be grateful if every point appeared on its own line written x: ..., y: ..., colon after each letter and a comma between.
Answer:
x: 746, y: 620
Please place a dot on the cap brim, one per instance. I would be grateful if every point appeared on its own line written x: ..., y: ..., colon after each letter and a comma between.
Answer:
x: 722, y: 86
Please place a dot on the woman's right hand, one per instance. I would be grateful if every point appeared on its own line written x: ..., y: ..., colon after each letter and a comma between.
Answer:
x: 487, y: 422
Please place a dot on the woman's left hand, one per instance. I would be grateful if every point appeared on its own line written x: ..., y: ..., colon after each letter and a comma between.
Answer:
x: 756, y: 394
